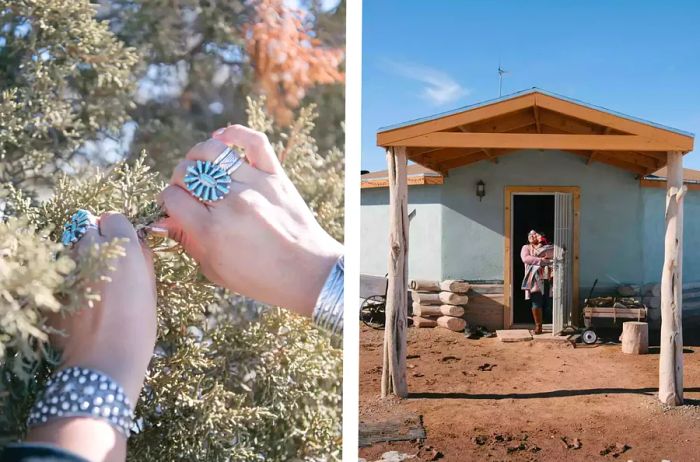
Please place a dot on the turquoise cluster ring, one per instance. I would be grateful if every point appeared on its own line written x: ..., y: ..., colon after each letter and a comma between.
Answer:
x: 77, y: 226
x: 209, y: 181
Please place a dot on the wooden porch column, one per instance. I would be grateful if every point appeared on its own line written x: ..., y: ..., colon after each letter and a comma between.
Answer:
x: 671, y: 357
x: 394, y: 367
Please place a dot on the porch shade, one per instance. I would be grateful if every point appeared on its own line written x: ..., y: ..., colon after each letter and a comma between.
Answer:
x: 535, y: 119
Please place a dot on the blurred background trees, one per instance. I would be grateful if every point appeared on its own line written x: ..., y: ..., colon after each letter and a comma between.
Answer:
x: 94, y: 84
x: 106, y: 80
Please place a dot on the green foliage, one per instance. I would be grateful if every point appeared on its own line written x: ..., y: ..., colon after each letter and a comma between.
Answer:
x: 64, y: 79
x: 218, y: 388
x: 230, y: 379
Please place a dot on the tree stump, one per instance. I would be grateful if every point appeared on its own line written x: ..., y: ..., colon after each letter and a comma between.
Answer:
x: 635, y: 337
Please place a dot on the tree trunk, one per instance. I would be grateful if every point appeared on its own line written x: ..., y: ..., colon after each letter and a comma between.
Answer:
x: 671, y: 357
x: 635, y: 338
x: 394, y: 365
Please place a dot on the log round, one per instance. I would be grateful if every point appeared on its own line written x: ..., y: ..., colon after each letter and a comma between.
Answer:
x: 426, y: 298
x: 456, y: 286
x: 419, y: 321
x: 451, y: 298
x: 424, y: 286
x: 635, y: 338
x: 451, y: 323
x: 437, y: 310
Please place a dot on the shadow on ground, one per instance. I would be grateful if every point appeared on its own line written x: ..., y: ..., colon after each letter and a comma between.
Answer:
x: 544, y: 394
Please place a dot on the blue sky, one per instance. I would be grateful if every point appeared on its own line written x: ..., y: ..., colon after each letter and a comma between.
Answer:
x: 640, y: 58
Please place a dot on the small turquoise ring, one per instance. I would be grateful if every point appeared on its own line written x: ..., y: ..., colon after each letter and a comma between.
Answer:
x: 207, y: 181
x: 77, y: 226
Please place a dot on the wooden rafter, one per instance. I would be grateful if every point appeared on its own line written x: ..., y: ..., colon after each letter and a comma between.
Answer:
x: 536, y: 113
x: 463, y: 118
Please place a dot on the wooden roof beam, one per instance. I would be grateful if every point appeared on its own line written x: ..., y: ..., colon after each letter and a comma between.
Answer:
x: 615, y: 162
x: 489, y: 111
x: 607, y: 119
x: 541, y: 141
x: 536, y: 113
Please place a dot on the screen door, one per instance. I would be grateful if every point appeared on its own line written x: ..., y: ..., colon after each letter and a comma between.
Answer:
x: 563, y: 240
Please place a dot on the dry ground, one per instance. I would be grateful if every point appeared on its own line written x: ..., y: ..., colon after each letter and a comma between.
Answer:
x: 535, y: 395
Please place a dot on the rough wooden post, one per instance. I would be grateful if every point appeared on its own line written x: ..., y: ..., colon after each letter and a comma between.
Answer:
x: 671, y: 357
x: 394, y: 368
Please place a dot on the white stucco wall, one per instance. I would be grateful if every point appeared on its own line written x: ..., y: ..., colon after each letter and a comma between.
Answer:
x: 455, y: 236
x: 425, y: 232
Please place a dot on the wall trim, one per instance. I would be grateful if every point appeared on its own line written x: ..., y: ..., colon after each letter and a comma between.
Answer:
x: 507, y: 283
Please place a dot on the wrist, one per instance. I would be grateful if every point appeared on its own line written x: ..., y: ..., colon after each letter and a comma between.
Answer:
x: 321, y: 257
x: 122, y: 372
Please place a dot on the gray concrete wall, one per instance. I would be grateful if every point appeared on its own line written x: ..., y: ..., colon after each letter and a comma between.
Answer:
x: 425, y: 232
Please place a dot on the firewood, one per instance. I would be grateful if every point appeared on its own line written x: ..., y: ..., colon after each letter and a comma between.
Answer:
x: 424, y: 286
x: 419, y: 321
x: 437, y: 310
x: 448, y: 298
x: 454, y: 324
x: 455, y: 285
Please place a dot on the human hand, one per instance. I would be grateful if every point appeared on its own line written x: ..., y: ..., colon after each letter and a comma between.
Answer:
x: 117, y: 335
x: 261, y: 240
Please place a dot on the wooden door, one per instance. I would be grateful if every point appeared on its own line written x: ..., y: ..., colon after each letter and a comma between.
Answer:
x: 563, y: 275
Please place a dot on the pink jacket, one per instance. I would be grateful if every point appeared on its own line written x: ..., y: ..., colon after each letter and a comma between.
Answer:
x: 527, y: 257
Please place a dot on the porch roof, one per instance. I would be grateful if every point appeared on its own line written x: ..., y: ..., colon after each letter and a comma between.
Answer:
x: 535, y: 119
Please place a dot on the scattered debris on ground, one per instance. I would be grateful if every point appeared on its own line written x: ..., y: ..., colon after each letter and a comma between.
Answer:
x: 615, y: 449
x: 486, y: 367
x: 574, y: 444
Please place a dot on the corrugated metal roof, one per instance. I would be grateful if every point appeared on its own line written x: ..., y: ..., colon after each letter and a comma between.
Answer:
x: 526, y: 92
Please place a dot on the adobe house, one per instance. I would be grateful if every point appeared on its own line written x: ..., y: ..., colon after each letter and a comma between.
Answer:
x: 594, y: 180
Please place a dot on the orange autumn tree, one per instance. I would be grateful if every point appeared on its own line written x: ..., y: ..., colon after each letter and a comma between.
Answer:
x: 287, y: 58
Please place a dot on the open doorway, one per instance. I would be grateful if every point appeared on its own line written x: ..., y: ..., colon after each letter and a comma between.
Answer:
x: 530, y: 211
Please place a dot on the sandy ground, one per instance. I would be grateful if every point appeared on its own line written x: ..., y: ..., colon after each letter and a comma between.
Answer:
x: 537, y: 403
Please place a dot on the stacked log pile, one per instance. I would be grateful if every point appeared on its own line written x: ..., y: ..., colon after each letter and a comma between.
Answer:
x: 439, y: 304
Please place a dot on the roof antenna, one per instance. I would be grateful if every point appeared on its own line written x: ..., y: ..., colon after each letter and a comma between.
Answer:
x: 501, y: 71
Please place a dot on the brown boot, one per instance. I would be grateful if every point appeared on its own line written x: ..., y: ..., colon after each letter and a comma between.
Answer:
x: 537, y: 316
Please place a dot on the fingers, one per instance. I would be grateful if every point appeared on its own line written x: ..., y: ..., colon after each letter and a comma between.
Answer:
x: 257, y: 147
x: 186, y: 215
x: 115, y: 225
x: 181, y: 170
x: 209, y: 150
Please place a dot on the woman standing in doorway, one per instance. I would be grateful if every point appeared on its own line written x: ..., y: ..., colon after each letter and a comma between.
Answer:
x: 536, y: 282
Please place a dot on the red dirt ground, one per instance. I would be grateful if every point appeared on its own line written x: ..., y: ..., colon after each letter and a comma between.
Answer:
x: 535, y: 395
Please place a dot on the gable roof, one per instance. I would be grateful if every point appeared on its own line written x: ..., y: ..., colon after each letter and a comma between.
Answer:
x: 535, y: 119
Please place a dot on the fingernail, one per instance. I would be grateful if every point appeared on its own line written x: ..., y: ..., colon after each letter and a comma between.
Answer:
x: 220, y: 131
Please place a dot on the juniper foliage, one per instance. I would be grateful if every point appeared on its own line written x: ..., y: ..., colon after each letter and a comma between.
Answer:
x: 225, y: 383
x: 218, y: 388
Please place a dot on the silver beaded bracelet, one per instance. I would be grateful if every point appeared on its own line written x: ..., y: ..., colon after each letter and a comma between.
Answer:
x: 328, y: 312
x: 81, y: 392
